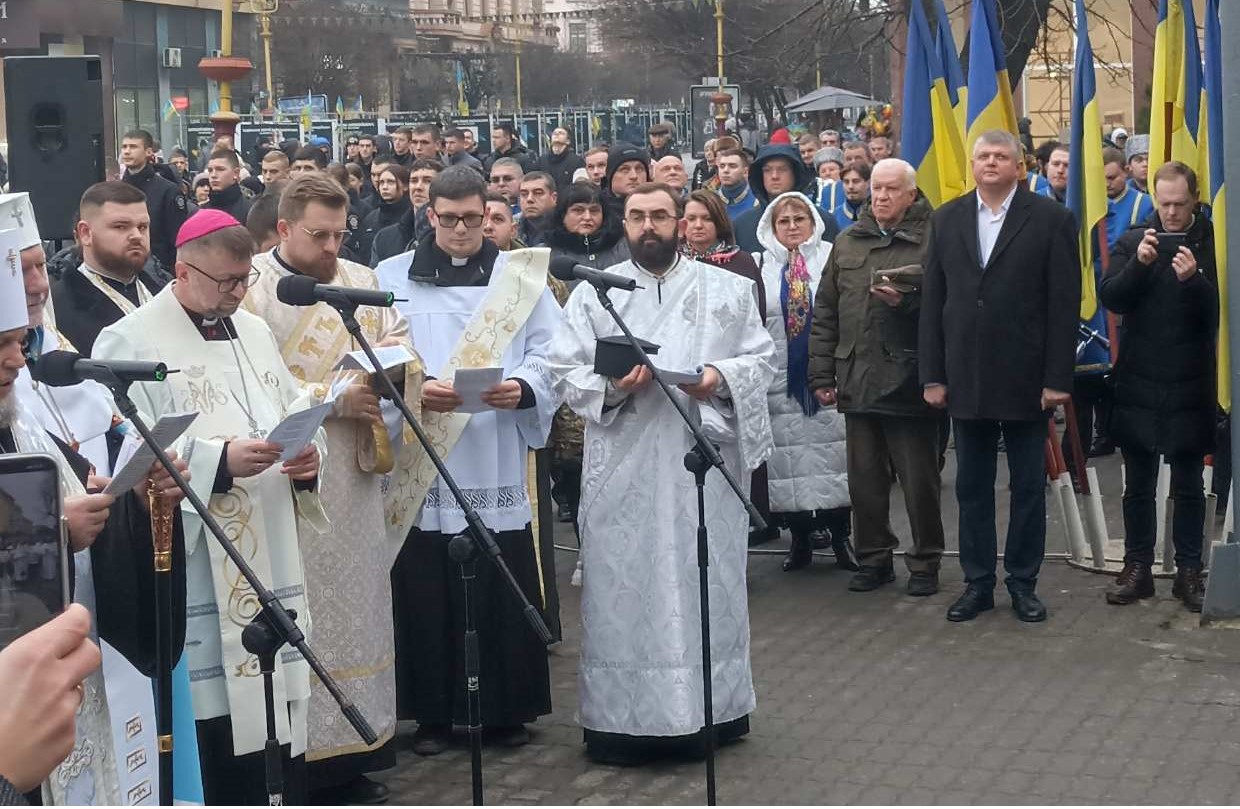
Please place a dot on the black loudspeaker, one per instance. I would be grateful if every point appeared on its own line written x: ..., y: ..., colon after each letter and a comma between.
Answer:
x: 54, y: 108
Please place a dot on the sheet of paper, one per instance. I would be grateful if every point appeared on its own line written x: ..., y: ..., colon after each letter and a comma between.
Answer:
x: 134, y: 467
x: 471, y: 382
x: 296, y: 431
x: 680, y: 377
x: 389, y: 357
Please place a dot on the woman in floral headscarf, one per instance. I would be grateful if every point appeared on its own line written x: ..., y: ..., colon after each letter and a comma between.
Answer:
x: 807, y: 473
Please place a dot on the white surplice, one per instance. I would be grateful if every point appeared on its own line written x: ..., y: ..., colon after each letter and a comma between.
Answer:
x: 488, y: 461
x: 641, y: 663
x: 221, y: 380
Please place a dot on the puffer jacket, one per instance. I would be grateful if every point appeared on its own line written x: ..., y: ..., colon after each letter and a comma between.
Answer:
x: 605, y: 248
x: 809, y: 468
x: 859, y: 345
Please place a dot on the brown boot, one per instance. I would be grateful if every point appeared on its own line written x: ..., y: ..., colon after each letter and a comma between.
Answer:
x: 1189, y: 587
x: 1134, y: 582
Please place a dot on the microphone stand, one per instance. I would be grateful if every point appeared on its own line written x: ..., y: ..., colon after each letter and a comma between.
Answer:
x: 475, y: 540
x: 699, y: 461
x: 274, y: 617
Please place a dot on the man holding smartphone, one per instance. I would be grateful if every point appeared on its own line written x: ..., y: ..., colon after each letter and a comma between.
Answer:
x: 1162, y: 280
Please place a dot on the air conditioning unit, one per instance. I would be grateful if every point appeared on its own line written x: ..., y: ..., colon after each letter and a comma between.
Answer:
x: 172, y: 57
x: 215, y: 53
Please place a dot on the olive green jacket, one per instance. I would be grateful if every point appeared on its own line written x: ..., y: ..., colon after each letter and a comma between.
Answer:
x: 859, y: 345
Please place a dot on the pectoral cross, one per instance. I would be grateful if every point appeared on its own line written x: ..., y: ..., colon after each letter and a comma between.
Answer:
x: 17, y: 214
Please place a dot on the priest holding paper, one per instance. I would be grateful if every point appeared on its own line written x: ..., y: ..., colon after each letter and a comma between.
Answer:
x: 365, y: 488
x: 641, y: 656
x: 489, y: 315
x: 230, y: 372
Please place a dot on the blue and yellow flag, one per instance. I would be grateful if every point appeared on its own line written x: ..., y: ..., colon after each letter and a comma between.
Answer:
x: 1166, y: 116
x: 1191, y: 100
x: 990, y: 90
x: 339, y: 107
x: 949, y: 57
x: 930, y: 138
x: 1087, y: 187
x: 170, y: 109
x: 1212, y: 148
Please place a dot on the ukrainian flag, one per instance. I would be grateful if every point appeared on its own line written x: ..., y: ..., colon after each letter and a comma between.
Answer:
x: 949, y: 57
x: 1184, y: 141
x: 170, y: 109
x: 340, y: 108
x: 1166, y: 116
x: 1212, y: 150
x: 990, y: 104
x: 1087, y: 188
x: 930, y: 138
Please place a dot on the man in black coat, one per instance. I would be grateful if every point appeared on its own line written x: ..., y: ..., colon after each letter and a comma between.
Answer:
x: 1163, y: 281
x: 560, y: 161
x: 997, y: 344
x: 224, y: 174
x: 165, y: 201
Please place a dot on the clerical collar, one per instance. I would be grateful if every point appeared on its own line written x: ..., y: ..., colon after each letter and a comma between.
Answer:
x: 275, y: 253
x: 211, y: 329
x: 432, y: 265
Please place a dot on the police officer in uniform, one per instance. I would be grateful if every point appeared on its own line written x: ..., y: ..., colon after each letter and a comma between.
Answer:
x: 165, y: 201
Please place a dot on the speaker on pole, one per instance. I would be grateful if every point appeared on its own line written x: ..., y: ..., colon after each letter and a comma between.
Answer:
x: 54, y: 107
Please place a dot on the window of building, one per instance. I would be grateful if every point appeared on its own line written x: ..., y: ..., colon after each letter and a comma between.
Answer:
x: 577, y: 37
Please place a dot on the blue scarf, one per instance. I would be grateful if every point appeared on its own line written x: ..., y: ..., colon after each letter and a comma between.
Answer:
x: 796, y: 302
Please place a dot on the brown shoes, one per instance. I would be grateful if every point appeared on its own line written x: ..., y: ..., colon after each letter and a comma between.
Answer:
x: 1189, y: 587
x: 1134, y: 582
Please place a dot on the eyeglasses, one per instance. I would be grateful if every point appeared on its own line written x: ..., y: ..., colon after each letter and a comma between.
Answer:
x: 506, y: 178
x: 791, y: 221
x: 227, y: 285
x: 657, y: 218
x: 324, y: 235
x: 451, y: 220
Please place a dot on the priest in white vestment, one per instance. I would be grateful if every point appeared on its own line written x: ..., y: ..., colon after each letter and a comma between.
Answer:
x: 640, y: 679
x: 231, y: 373
x: 469, y: 306
x: 365, y: 488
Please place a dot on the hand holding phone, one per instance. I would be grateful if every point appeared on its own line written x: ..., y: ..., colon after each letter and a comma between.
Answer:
x: 34, y: 564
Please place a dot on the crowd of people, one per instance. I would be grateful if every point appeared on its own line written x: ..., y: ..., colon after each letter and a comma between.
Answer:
x: 840, y: 335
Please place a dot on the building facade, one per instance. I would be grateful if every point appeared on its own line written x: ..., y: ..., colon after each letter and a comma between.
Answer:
x: 580, y: 29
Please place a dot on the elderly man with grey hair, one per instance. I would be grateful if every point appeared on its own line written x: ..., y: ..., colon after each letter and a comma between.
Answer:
x: 863, y: 358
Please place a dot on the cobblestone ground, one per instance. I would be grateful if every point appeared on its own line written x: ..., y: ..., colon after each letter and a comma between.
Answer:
x: 876, y: 699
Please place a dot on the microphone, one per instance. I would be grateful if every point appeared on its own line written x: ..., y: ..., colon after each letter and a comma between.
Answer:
x: 302, y: 290
x: 61, y: 368
x: 564, y: 268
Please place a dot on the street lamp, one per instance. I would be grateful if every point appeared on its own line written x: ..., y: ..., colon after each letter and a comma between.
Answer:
x: 264, y: 9
x: 225, y: 69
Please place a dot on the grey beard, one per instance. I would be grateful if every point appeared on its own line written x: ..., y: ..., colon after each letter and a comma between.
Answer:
x: 8, y: 410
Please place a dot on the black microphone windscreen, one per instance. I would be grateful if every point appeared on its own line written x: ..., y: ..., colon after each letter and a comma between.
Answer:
x: 562, y: 268
x: 296, y: 290
x: 55, y: 368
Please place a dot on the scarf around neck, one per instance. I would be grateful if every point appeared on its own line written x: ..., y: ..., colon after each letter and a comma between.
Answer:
x: 797, y: 306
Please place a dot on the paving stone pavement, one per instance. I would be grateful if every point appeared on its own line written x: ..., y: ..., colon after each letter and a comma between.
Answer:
x: 875, y: 699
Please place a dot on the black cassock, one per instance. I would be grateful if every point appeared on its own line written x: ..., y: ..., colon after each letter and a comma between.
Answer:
x: 83, y: 310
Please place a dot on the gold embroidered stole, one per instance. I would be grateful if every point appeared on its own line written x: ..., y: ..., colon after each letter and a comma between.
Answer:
x: 313, y: 340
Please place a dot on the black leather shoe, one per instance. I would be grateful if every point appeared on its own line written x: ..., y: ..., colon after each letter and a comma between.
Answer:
x: 1134, y: 583
x: 800, y: 554
x: 1189, y: 587
x: 564, y: 513
x: 431, y: 740
x: 845, y: 557
x: 820, y: 538
x: 509, y: 736
x: 365, y: 792
x: 1028, y: 607
x: 923, y: 584
x: 1101, y: 449
x: 972, y: 602
x: 869, y: 578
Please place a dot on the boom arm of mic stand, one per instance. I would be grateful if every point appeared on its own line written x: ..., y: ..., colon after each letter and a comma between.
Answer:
x: 276, y: 614
x: 482, y: 536
x: 704, y: 447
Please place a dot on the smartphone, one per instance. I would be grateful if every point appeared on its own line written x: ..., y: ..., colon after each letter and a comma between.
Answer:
x: 34, y: 549
x: 1169, y: 243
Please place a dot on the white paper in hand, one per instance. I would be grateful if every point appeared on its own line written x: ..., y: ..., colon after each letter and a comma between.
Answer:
x: 469, y: 384
x: 690, y: 377
x: 389, y: 357
x: 135, y: 457
x: 297, y: 431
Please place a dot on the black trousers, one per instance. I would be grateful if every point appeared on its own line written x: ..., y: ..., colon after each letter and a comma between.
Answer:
x: 1188, y: 521
x: 977, y: 445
